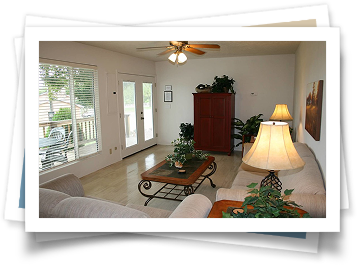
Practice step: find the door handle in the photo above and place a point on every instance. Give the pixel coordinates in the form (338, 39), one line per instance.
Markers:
(142, 118)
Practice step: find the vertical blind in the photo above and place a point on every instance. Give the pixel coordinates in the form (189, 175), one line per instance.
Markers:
(69, 125)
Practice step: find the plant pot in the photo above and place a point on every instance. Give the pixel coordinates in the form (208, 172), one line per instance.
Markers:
(225, 90)
(178, 164)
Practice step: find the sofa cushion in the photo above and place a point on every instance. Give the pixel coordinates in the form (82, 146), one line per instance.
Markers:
(152, 212)
(303, 150)
(48, 200)
(315, 205)
(244, 178)
(307, 179)
(236, 194)
(81, 207)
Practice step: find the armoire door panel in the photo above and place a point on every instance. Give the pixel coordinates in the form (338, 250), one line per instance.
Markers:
(219, 134)
(219, 107)
(205, 107)
(204, 134)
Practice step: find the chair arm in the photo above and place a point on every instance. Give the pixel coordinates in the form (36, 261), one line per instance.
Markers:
(232, 194)
(67, 183)
(193, 206)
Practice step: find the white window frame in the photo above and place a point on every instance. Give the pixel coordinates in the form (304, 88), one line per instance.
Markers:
(97, 125)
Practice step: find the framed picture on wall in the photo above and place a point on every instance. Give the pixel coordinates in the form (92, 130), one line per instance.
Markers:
(314, 109)
(167, 96)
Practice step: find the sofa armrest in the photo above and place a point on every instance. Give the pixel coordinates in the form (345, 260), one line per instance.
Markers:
(68, 183)
(193, 206)
(232, 194)
(48, 199)
(314, 204)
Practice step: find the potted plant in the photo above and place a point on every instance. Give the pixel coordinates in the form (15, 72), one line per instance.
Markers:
(184, 150)
(223, 85)
(250, 127)
(266, 202)
(186, 131)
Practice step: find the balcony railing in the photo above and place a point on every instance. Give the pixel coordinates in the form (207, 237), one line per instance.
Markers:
(85, 128)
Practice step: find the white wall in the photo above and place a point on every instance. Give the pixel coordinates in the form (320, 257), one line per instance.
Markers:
(108, 63)
(310, 66)
(270, 78)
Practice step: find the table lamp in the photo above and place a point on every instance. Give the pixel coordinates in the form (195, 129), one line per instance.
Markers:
(273, 150)
(281, 113)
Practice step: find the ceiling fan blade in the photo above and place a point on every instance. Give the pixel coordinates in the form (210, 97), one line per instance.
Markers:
(193, 50)
(167, 51)
(162, 47)
(212, 46)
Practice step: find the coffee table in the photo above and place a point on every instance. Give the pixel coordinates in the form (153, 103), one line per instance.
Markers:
(177, 186)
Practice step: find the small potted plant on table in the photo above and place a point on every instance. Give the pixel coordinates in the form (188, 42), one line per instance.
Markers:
(183, 151)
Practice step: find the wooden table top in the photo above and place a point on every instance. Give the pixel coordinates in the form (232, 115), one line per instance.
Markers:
(218, 207)
(185, 180)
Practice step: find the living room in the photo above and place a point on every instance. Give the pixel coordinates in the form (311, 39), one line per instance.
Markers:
(263, 79)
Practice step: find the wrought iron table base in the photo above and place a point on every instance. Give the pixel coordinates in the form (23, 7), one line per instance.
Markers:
(175, 190)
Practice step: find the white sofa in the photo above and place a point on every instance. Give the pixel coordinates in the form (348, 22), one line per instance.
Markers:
(64, 197)
(307, 182)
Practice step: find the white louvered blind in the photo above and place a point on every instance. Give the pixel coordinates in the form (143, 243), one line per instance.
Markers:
(69, 125)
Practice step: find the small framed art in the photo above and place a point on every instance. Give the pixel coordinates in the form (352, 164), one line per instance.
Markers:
(167, 96)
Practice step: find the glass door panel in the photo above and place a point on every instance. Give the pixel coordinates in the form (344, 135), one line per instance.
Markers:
(148, 111)
(136, 113)
(129, 96)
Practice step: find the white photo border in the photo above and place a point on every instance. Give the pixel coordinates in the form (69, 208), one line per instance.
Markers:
(329, 224)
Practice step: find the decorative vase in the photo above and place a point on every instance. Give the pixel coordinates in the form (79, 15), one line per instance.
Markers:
(203, 90)
(178, 164)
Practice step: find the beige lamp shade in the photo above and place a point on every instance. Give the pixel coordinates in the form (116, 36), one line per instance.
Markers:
(281, 113)
(273, 148)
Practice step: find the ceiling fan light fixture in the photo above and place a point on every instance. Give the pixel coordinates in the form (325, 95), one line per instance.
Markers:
(182, 57)
(172, 57)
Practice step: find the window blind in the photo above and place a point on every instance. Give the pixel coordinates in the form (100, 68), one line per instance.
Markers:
(69, 124)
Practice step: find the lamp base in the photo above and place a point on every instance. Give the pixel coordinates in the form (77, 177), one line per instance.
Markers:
(272, 180)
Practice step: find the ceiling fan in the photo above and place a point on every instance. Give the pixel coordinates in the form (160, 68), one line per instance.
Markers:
(177, 47)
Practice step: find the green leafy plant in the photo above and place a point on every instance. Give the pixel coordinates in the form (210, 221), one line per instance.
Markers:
(223, 85)
(183, 149)
(186, 131)
(251, 126)
(267, 203)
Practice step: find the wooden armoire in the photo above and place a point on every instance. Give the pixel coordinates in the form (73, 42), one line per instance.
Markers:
(213, 121)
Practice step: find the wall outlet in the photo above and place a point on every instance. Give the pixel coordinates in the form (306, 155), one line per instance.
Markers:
(110, 151)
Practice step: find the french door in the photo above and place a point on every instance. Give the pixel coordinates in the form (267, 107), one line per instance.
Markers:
(137, 112)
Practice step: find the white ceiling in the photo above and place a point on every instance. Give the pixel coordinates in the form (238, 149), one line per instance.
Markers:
(228, 48)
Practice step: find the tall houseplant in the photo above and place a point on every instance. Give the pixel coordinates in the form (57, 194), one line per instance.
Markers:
(223, 85)
(250, 127)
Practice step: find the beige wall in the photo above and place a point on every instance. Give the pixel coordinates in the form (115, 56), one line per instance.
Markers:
(270, 78)
(310, 66)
